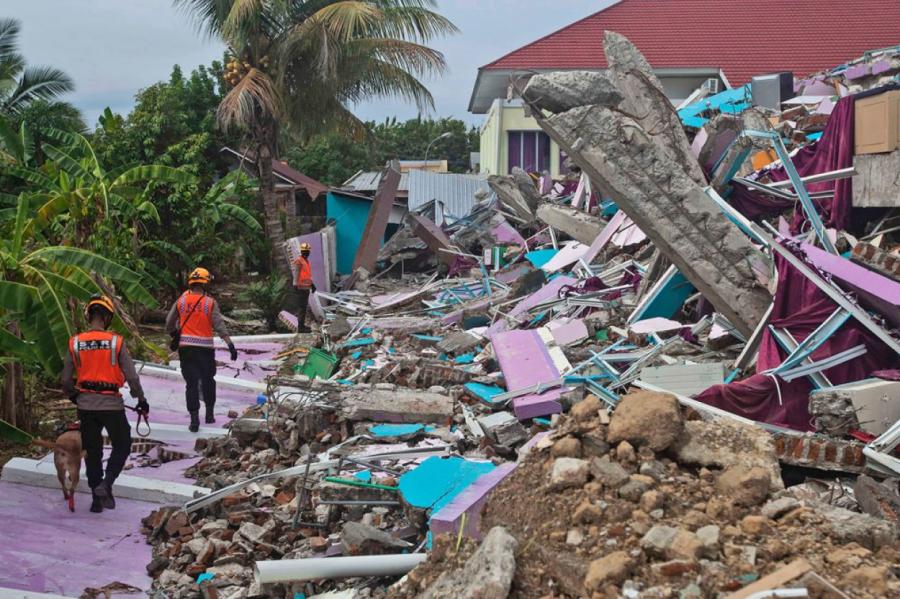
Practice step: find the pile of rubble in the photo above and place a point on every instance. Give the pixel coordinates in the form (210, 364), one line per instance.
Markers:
(651, 506)
(671, 374)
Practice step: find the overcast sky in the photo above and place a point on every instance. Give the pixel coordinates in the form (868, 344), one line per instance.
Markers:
(113, 48)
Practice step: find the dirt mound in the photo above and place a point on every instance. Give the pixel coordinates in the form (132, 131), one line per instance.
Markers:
(668, 529)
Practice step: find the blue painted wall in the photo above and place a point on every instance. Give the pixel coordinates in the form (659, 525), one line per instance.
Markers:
(349, 215)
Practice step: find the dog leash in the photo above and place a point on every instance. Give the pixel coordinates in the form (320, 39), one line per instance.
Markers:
(137, 427)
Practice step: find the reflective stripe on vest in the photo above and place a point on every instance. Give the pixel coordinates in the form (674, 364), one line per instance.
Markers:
(196, 323)
(95, 355)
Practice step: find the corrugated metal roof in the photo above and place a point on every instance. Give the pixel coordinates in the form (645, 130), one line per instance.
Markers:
(455, 191)
(368, 182)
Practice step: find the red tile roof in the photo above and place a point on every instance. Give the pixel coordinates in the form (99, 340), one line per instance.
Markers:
(742, 37)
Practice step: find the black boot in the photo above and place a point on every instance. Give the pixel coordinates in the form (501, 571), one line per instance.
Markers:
(96, 502)
(195, 421)
(105, 494)
(210, 414)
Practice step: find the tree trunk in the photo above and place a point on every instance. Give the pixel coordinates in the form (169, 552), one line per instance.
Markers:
(265, 155)
(12, 402)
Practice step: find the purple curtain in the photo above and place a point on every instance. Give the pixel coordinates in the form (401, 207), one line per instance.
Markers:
(529, 151)
(514, 145)
(543, 152)
(832, 152)
(799, 307)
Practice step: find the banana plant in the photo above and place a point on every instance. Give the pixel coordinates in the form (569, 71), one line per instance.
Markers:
(76, 192)
(43, 286)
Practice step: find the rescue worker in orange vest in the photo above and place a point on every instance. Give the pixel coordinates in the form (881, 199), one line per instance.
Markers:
(304, 285)
(95, 368)
(193, 320)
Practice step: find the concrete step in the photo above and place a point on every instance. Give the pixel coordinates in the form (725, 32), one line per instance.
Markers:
(35, 473)
(20, 594)
(175, 432)
(146, 369)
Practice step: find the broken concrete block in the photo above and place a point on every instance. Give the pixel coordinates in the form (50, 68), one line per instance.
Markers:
(778, 507)
(646, 419)
(611, 474)
(877, 499)
(744, 486)
(870, 405)
(567, 447)
(563, 90)
(671, 543)
(671, 208)
(488, 573)
(575, 223)
(846, 527)
(504, 428)
(399, 406)
(517, 193)
(458, 341)
(362, 539)
(723, 443)
(610, 569)
(569, 472)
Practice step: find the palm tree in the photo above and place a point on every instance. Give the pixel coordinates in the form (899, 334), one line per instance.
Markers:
(22, 85)
(298, 66)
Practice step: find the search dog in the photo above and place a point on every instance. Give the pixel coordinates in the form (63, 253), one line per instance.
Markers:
(67, 454)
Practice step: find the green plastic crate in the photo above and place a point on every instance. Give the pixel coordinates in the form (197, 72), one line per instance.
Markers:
(318, 363)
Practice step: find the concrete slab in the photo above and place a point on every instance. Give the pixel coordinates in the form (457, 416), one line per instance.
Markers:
(36, 473)
(397, 406)
(47, 549)
(685, 379)
(575, 223)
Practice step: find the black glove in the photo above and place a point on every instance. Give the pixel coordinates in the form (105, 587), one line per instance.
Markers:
(233, 351)
(313, 287)
(142, 406)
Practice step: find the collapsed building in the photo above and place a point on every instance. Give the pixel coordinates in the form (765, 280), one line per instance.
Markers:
(672, 374)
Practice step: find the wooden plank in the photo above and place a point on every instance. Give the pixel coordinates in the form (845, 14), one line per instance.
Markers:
(792, 571)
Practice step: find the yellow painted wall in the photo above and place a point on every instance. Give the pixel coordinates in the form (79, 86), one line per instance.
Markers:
(501, 119)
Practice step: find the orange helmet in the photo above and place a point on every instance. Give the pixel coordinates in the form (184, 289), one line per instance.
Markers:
(199, 276)
(102, 301)
(305, 247)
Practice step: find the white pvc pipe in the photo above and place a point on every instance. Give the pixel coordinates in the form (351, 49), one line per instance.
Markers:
(290, 570)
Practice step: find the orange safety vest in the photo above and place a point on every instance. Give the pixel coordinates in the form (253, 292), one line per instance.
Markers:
(304, 273)
(196, 323)
(95, 355)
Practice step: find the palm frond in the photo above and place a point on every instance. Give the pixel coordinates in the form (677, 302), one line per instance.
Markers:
(39, 83)
(254, 97)
(9, 37)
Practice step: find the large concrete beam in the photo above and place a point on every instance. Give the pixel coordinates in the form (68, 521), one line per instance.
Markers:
(633, 168)
(564, 90)
(646, 101)
(577, 224)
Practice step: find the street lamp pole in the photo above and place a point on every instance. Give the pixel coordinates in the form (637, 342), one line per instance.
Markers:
(444, 135)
